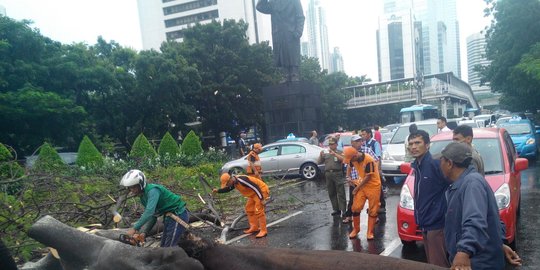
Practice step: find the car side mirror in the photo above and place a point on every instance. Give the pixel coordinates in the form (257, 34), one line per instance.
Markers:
(521, 164)
(405, 168)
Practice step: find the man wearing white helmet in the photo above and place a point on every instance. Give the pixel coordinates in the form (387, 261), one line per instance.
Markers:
(157, 201)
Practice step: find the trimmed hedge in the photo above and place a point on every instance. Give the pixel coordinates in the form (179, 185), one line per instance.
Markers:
(88, 155)
(49, 160)
(192, 146)
(168, 146)
(142, 149)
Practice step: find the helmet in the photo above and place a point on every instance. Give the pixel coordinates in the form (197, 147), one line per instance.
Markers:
(257, 146)
(224, 178)
(133, 177)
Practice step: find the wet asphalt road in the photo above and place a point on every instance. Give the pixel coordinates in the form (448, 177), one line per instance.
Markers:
(312, 227)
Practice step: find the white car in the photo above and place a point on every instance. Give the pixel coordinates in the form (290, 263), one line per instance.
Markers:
(283, 158)
(394, 154)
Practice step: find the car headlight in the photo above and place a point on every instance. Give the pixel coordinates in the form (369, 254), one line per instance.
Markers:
(502, 196)
(387, 156)
(530, 141)
(405, 199)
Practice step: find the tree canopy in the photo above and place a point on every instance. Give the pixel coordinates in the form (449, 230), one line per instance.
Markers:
(513, 45)
(57, 92)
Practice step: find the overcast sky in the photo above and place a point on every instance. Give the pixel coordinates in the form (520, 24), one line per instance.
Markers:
(351, 25)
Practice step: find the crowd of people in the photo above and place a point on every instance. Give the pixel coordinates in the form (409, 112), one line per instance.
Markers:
(454, 205)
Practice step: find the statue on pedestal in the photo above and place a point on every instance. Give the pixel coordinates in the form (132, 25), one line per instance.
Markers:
(287, 26)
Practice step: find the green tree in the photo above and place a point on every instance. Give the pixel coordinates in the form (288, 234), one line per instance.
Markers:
(514, 31)
(165, 85)
(25, 54)
(142, 149)
(48, 160)
(191, 145)
(168, 146)
(31, 114)
(9, 168)
(232, 71)
(88, 155)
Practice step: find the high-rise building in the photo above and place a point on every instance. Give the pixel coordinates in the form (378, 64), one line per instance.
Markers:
(476, 56)
(336, 61)
(162, 20)
(316, 34)
(418, 37)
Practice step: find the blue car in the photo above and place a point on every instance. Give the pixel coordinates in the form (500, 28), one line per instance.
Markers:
(524, 136)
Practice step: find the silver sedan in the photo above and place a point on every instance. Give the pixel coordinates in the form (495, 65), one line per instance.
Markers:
(283, 158)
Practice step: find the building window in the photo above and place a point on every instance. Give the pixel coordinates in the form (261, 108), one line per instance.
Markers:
(395, 45)
(174, 35)
(188, 6)
(195, 18)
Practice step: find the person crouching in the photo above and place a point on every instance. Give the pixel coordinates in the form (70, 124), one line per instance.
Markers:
(257, 194)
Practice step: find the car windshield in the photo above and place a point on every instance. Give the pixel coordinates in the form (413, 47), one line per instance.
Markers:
(345, 140)
(517, 129)
(489, 150)
(403, 131)
(386, 137)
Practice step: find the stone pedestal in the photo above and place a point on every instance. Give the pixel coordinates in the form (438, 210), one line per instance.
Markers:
(292, 107)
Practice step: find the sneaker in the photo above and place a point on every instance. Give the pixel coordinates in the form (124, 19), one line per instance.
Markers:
(336, 213)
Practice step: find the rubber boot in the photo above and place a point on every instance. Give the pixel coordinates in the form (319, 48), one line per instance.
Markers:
(253, 224)
(356, 227)
(370, 227)
(262, 224)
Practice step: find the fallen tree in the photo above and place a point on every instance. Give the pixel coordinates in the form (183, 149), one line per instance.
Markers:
(78, 250)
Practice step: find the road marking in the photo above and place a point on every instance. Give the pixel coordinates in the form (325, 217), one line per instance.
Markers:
(269, 225)
(393, 246)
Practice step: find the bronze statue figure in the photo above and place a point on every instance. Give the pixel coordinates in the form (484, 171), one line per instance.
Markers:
(287, 26)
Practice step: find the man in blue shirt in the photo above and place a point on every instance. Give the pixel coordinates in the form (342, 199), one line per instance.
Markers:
(473, 231)
(429, 201)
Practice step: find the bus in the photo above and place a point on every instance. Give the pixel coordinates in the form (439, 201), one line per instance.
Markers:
(418, 112)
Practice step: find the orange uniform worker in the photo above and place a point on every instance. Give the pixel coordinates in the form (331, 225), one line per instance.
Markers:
(257, 194)
(254, 167)
(367, 187)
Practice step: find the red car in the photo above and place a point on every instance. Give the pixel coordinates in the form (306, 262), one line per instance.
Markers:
(502, 168)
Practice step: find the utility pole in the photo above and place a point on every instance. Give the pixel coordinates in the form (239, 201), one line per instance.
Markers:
(417, 60)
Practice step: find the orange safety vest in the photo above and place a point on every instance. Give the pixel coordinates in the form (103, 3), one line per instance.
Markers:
(375, 180)
(251, 186)
(254, 158)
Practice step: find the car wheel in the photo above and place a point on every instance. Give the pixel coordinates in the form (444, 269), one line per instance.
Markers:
(408, 243)
(237, 170)
(309, 171)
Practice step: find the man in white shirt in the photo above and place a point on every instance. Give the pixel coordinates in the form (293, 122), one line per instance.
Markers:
(441, 125)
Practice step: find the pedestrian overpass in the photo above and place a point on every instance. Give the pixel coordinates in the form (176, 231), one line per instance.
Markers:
(444, 90)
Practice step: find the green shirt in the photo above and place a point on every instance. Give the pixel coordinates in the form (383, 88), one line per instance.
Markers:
(157, 201)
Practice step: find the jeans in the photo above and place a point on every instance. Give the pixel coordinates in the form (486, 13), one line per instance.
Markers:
(173, 230)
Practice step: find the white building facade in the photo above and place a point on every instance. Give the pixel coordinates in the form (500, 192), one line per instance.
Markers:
(315, 35)
(476, 56)
(162, 20)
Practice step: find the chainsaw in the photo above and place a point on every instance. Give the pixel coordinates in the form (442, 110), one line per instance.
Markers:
(135, 240)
